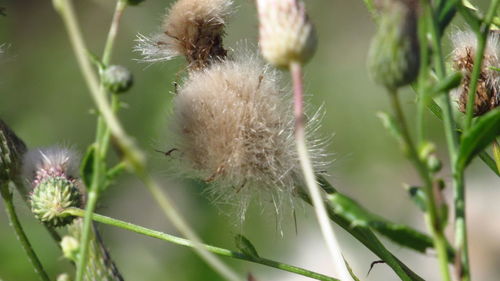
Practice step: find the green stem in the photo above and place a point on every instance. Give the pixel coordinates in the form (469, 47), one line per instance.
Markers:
(422, 78)
(434, 220)
(191, 244)
(478, 63)
(21, 236)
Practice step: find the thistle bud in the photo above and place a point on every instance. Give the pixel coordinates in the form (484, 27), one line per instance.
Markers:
(235, 130)
(53, 173)
(286, 34)
(117, 79)
(191, 28)
(488, 86)
(394, 56)
(12, 149)
(51, 197)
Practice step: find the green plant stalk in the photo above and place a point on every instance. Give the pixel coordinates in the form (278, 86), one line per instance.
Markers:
(132, 153)
(101, 144)
(452, 143)
(309, 177)
(184, 242)
(478, 62)
(21, 236)
(432, 215)
(422, 78)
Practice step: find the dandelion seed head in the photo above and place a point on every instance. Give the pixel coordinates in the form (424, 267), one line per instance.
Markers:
(191, 28)
(235, 130)
(463, 56)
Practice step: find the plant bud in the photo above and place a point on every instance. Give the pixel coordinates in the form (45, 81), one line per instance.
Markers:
(394, 56)
(52, 196)
(286, 34)
(70, 247)
(117, 79)
(63, 277)
(53, 174)
(12, 149)
(488, 86)
(434, 164)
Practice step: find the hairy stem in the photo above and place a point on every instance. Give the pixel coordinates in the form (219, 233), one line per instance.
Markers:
(21, 236)
(188, 243)
(433, 219)
(310, 179)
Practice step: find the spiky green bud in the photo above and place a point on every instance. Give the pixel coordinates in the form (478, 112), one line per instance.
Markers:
(394, 56)
(117, 79)
(51, 197)
(12, 149)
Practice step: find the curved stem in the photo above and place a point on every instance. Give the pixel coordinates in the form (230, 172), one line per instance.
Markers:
(310, 179)
(433, 219)
(184, 242)
(21, 236)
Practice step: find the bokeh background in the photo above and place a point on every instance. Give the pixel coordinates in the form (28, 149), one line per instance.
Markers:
(44, 99)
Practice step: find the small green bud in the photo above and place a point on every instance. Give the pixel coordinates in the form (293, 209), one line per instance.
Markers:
(394, 55)
(63, 277)
(51, 197)
(12, 149)
(434, 164)
(117, 79)
(70, 247)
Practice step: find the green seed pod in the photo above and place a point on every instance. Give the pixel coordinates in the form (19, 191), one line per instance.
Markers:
(394, 55)
(117, 79)
(52, 196)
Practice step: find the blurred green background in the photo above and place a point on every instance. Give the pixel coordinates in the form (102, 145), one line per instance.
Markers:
(44, 99)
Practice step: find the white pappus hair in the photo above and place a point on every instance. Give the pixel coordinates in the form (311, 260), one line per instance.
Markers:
(235, 129)
(51, 161)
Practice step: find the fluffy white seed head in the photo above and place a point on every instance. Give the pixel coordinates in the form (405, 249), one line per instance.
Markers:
(463, 55)
(286, 34)
(235, 129)
(191, 28)
(56, 161)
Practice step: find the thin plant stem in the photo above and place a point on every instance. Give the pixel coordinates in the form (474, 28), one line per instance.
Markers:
(461, 244)
(188, 243)
(310, 178)
(132, 153)
(422, 78)
(101, 144)
(21, 236)
(478, 63)
(432, 215)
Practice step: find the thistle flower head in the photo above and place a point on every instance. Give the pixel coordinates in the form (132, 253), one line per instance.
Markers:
(286, 34)
(394, 56)
(52, 172)
(235, 129)
(463, 55)
(191, 28)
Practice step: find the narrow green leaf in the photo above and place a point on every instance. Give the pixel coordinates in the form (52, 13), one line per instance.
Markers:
(351, 272)
(482, 134)
(496, 154)
(450, 82)
(393, 127)
(87, 167)
(360, 217)
(245, 246)
(417, 195)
